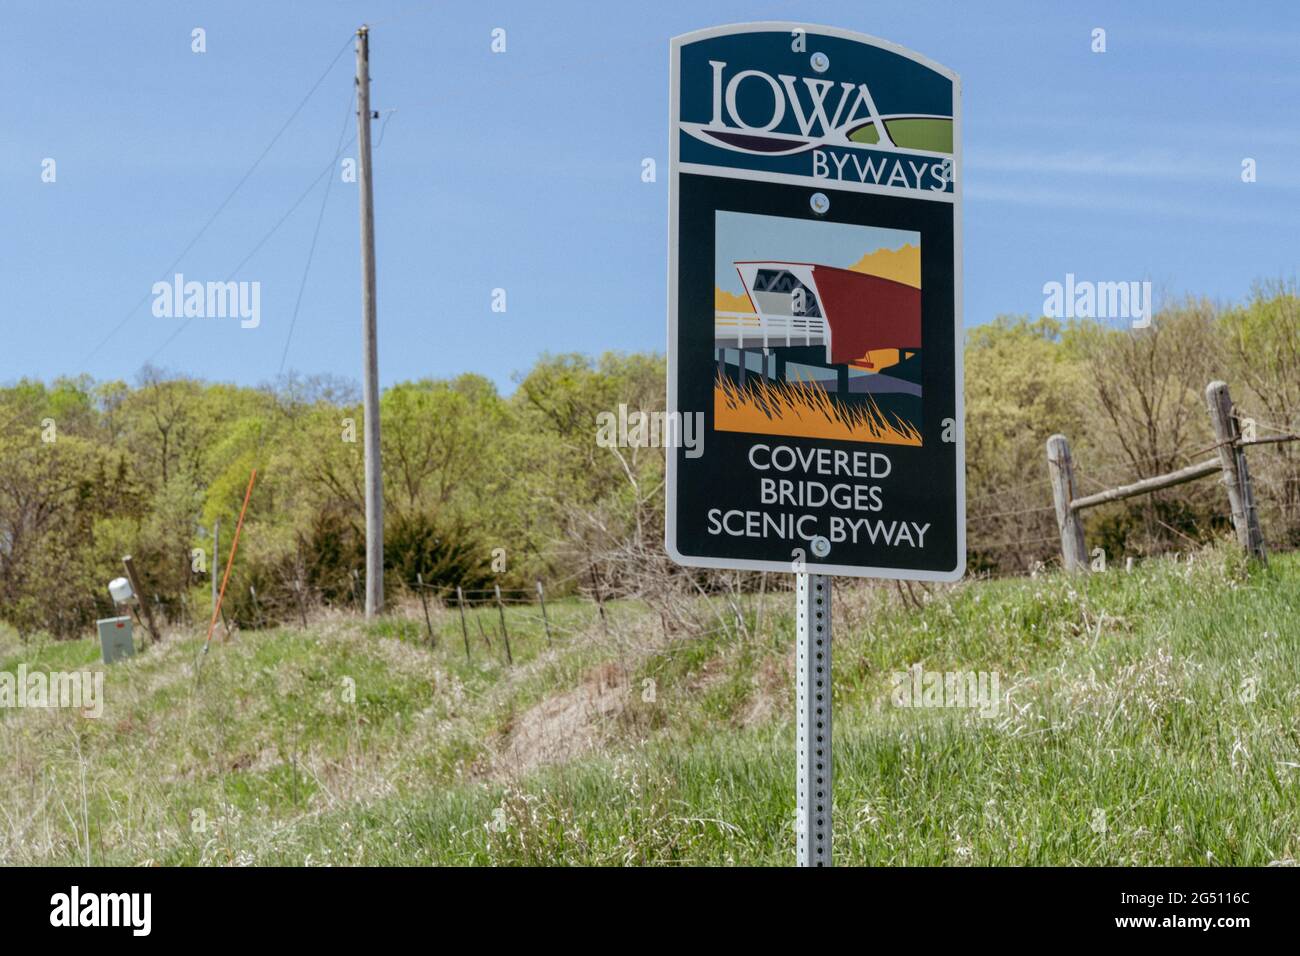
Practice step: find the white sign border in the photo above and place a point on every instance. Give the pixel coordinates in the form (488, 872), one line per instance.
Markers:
(670, 518)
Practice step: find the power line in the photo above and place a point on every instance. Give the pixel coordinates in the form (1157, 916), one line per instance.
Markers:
(261, 242)
(225, 202)
(311, 251)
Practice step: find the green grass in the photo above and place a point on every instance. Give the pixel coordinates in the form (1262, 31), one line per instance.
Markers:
(1154, 718)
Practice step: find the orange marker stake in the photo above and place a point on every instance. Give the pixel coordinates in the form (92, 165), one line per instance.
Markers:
(230, 562)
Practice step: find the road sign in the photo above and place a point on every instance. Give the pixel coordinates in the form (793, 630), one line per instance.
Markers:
(814, 305)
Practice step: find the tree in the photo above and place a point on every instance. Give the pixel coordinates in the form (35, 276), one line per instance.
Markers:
(1021, 387)
(1263, 351)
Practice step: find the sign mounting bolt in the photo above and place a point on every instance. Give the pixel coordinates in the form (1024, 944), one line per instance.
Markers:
(821, 62)
(820, 546)
(820, 203)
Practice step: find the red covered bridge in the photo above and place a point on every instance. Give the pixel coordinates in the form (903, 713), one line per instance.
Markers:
(801, 304)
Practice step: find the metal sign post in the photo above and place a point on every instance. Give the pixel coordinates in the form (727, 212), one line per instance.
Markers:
(813, 707)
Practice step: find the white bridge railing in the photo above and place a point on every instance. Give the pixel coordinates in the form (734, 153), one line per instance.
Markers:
(749, 330)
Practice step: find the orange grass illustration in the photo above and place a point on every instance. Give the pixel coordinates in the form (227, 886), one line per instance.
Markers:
(803, 409)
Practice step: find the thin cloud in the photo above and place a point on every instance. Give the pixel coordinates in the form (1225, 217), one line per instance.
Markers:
(1144, 207)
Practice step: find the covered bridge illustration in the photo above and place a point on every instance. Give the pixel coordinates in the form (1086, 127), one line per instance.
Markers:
(816, 315)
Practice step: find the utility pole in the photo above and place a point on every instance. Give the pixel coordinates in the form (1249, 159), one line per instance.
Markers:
(369, 343)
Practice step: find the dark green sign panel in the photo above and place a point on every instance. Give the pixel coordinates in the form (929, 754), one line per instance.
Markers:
(814, 308)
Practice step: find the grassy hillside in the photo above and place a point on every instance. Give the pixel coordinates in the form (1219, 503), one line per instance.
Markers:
(1154, 717)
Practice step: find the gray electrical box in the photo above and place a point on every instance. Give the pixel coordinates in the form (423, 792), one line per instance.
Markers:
(115, 639)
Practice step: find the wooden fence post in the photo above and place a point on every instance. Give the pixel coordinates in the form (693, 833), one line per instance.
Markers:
(460, 605)
(600, 602)
(1248, 497)
(302, 603)
(1236, 476)
(504, 635)
(424, 600)
(139, 598)
(541, 596)
(1074, 556)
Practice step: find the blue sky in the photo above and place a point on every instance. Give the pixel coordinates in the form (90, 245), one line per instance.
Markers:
(743, 236)
(522, 170)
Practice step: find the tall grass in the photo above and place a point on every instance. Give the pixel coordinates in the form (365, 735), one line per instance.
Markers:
(1152, 719)
(804, 409)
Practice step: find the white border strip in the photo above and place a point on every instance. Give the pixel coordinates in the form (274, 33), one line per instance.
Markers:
(793, 179)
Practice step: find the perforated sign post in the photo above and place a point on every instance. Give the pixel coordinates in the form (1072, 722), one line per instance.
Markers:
(814, 329)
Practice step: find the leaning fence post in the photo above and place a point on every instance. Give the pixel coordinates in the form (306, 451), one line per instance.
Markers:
(424, 600)
(1060, 465)
(1236, 476)
(140, 601)
(1252, 513)
(504, 635)
(464, 631)
(546, 620)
